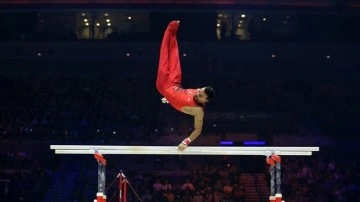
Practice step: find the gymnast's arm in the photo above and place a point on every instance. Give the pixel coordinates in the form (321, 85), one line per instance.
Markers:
(198, 114)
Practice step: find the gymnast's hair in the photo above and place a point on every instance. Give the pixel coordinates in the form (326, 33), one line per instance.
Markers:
(210, 92)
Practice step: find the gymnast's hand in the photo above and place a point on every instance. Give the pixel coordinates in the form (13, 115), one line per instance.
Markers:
(182, 147)
(164, 100)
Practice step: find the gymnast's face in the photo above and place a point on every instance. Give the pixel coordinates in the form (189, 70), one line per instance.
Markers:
(201, 96)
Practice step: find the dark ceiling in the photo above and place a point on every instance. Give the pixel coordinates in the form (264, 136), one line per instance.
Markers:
(351, 4)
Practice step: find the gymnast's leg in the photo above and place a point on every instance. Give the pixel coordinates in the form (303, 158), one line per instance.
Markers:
(164, 69)
(174, 60)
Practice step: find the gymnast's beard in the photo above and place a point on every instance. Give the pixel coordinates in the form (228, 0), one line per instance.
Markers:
(195, 98)
(197, 101)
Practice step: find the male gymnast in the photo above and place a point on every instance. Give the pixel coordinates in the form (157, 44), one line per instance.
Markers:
(168, 83)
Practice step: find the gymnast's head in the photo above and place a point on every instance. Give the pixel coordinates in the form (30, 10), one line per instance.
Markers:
(205, 94)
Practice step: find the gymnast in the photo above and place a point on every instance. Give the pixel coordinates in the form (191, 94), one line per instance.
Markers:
(168, 83)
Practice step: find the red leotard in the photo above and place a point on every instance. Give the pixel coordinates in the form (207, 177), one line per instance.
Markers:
(179, 97)
(168, 81)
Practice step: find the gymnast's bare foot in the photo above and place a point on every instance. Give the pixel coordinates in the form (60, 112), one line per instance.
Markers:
(173, 26)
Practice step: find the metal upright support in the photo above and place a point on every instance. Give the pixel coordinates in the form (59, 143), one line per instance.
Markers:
(277, 160)
(272, 180)
(101, 197)
(278, 178)
(272, 170)
(101, 177)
